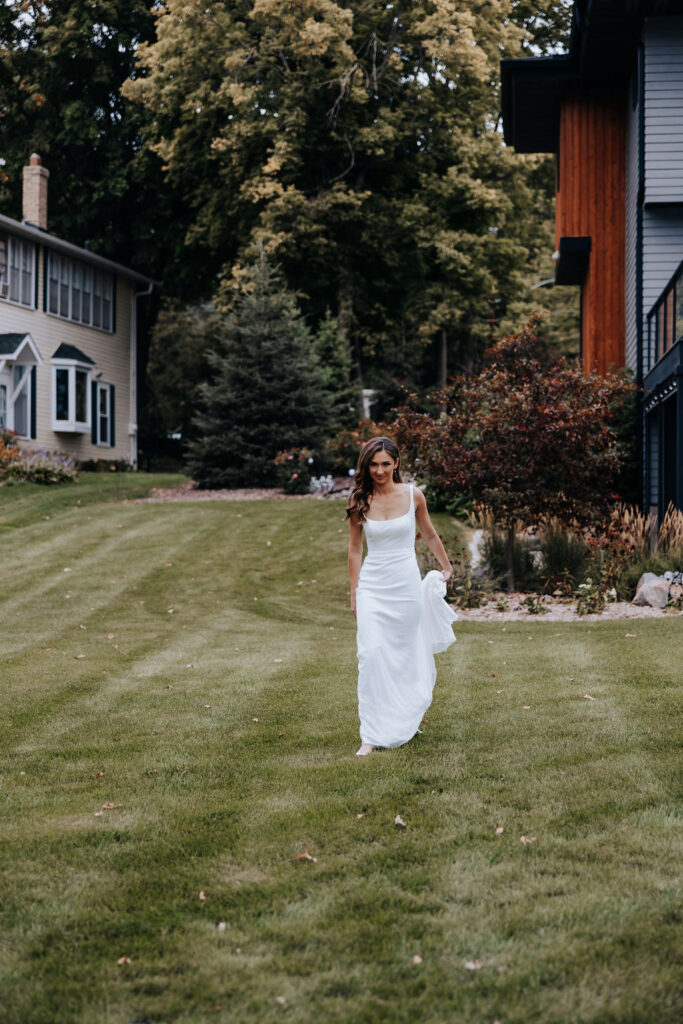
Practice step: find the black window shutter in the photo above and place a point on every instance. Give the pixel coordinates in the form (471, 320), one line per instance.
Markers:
(112, 415)
(113, 304)
(34, 389)
(93, 411)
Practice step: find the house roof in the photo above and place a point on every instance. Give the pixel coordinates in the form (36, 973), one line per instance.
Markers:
(71, 352)
(9, 343)
(602, 48)
(13, 344)
(25, 230)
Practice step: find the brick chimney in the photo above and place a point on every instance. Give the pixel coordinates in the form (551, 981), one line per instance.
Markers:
(35, 193)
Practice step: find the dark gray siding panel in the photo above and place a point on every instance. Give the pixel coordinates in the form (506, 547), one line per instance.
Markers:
(662, 252)
(632, 118)
(663, 41)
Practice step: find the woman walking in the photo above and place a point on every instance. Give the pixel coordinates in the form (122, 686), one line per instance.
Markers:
(402, 620)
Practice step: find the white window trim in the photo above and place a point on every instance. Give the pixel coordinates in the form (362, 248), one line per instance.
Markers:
(79, 323)
(101, 386)
(72, 425)
(5, 285)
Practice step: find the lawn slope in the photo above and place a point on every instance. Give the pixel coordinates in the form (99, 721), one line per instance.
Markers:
(194, 666)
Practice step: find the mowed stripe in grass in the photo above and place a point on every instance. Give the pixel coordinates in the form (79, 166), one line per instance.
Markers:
(226, 727)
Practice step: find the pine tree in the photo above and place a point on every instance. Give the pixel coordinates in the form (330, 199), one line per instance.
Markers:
(266, 393)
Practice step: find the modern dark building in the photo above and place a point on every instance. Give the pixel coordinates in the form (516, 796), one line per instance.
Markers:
(611, 110)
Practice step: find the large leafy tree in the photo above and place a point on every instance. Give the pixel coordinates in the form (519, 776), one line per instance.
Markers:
(528, 436)
(62, 66)
(359, 141)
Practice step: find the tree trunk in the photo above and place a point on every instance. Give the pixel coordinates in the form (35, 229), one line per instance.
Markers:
(442, 370)
(511, 553)
(345, 319)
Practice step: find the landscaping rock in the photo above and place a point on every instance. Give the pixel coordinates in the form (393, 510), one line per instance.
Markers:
(652, 590)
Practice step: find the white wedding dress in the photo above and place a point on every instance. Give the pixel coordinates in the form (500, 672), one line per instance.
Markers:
(402, 622)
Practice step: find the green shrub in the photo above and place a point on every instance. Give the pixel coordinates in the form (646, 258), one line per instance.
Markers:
(40, 467)
(105, 466)
(494, 551)
(566, 557)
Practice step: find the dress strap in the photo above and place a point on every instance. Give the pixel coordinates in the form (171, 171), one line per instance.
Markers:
(412, 505)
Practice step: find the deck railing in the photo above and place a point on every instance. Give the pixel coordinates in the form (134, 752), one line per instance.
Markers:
(665, 320)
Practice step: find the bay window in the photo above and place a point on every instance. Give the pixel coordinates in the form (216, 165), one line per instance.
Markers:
(71, 403)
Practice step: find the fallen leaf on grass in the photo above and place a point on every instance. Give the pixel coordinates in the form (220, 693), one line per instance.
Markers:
(171, 610)
(527, 840)
(66, 570)
(222, 926)
(98, 814)
(499, 830)
(587, 696)
(399, 822)
(473, 965)
(97, 775)
(152, 771)
(417, 959)
(499, 691)
(269, 543)
(207, 705)
(363, 814)
(277, 661)
(254, 719)
(110, 636)
(526, 707)
(110, 807)
(77, 656)
(124, 960)
(493, 675)
(630, 636)
(281, 1000)
(306, 855)
(202, 896)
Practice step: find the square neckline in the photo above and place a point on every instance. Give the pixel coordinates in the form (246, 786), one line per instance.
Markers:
(395, 519)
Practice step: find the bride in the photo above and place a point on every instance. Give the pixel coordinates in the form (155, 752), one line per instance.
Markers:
(402, 620)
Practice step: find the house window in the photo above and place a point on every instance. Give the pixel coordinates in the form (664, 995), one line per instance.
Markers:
(104, 418)
(71, 411)
(104, 415)
(80, 293)
(17, 270)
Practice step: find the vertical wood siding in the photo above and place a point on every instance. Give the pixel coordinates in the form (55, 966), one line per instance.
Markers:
(663, 39)
(591, 201)
(631, 240)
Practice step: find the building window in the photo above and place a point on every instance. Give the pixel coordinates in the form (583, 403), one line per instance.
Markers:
(80, 293)
(103, 425)
(71, 411)
(17, 270)
(665, 319)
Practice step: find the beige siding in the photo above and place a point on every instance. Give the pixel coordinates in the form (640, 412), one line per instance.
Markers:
(110, 352)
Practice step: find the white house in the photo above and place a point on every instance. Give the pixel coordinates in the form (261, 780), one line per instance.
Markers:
(68, 337)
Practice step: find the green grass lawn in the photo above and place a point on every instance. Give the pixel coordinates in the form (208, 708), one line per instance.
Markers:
(203, 682)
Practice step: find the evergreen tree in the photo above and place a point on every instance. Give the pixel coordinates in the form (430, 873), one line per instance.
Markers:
(266, 392)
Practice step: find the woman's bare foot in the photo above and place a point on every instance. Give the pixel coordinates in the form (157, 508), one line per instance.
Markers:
(364, 749)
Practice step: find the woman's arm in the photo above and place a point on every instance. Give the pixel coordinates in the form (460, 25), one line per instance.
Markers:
(429, 534)
(355, 555)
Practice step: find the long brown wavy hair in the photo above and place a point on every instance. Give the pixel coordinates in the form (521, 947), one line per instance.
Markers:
(359, 500)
